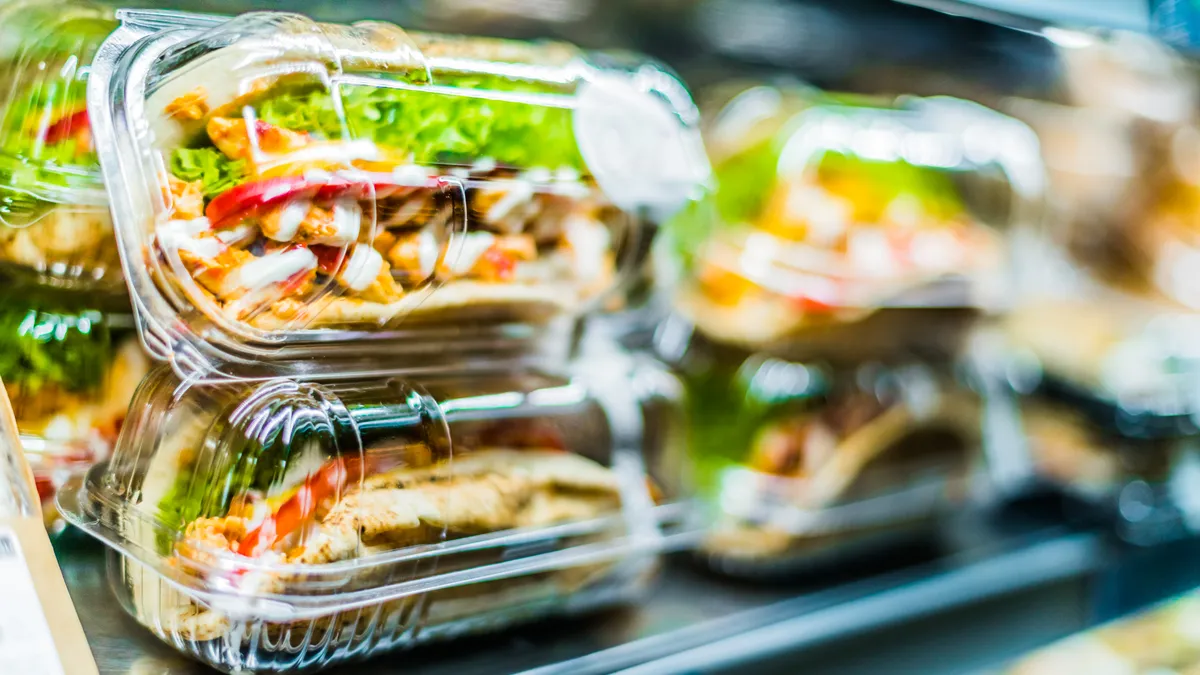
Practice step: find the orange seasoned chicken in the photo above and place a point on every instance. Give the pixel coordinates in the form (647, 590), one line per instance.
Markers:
(191, 106)
(232, 136)
(211, 272)
(187, 199)
(303, 222)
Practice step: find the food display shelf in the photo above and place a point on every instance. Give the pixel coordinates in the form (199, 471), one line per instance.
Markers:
(691, 620)
(1118, 14)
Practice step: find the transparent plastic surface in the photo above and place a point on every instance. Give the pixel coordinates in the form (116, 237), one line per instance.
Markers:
(70, 365)
(18, 497)
(1129, 366)
(290, 524)
(290, 187)
(792, 457)
(54, 219)
(830, 208)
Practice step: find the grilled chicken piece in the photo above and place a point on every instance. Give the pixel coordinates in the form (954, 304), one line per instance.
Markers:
(191, 106)
(232, 137)
(187, 198)
(301, 221)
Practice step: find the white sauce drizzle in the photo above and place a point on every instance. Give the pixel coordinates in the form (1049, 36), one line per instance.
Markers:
(520, 193)
(182, 235)
(273, 268)
(362, 268)
(590, 241)
(474, 245)
(290, 219)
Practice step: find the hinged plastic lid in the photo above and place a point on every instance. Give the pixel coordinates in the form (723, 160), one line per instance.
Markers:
(290, 186)
(291, 497)
(845, 208)
(53, 208)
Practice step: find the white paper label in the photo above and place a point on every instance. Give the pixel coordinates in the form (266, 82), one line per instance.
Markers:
(26, 645)
(636, 147)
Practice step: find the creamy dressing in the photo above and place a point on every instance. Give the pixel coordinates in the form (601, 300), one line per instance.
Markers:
(347, 219)
(318, 176)
(273, 268)
(362, 268)
(472, 247)
(237, 235)
(870, 253)
(936, 250)
(407, 211)
(590, 241)
(290, 219)
(428, 252)
(183, 235)
(341, 152)
(538, 175)
(484, 165)
(827, 216)
(410, 175)
(520, 193)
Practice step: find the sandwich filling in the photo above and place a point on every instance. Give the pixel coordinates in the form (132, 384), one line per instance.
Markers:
(303, 195)
(343, 510)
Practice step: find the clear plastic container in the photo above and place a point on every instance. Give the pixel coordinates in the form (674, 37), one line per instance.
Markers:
(70, 365)
(1128, 365)
(795, 461)
(54, 219)
(828, 209)
(286, 525)
(283, 188)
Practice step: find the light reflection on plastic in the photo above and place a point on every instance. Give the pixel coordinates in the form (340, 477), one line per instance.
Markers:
(557, 396)
(508, 399)
(1069, 39)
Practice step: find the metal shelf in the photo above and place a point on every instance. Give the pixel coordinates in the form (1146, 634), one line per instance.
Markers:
(691, 619)
(1034, 14)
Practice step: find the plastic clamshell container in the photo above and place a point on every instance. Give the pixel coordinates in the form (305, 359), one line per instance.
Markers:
(54, 219)
(283, 188)
(286, 525)
(1134, 375)
(70, 365)
(792, 459)
(827, 210)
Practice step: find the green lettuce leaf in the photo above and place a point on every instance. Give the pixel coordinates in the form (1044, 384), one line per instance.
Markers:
(214, 170)
(428, 127)
(39, 348)
(438, 127)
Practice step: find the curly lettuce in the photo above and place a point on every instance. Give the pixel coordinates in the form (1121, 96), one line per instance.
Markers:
(427, 127)
(71, 351)
(216, 172)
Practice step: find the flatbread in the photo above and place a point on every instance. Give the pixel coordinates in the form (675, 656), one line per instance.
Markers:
(472, 301)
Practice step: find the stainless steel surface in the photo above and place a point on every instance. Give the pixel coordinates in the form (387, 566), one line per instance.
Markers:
(691, 620)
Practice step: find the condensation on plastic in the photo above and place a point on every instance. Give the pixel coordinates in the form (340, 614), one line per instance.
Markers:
(832, 215)
(431, 190)
(474, 502)
(54, 219)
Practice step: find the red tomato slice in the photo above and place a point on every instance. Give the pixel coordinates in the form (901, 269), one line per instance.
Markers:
(328, 257)
(231, 206)
(67, 127)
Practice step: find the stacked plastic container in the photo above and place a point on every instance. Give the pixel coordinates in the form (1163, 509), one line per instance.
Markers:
(1102, 347)
(70, 359)
(823, 297)
(360, 254)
